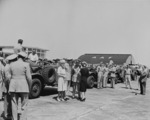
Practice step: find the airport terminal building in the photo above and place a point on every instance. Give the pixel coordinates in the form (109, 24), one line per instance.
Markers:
(7, 50)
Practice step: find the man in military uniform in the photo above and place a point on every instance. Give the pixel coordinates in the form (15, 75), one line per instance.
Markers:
(19, 86)
(7, 78)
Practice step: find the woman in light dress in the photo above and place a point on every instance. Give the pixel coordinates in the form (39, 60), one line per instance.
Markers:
(61, 72)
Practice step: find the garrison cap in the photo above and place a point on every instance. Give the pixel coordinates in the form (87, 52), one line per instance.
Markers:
(12, 57)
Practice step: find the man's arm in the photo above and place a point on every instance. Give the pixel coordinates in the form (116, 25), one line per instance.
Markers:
(28, 75)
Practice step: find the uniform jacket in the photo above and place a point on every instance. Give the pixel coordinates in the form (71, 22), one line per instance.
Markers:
(20, 76)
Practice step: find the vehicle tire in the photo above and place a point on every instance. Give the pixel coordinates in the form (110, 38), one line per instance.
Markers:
(36, 88)
(49, 75)
(90, 82)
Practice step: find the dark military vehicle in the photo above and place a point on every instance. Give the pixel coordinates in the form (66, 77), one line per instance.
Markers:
(43, 74)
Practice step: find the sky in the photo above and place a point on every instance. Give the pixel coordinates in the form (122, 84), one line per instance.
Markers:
(70, 28)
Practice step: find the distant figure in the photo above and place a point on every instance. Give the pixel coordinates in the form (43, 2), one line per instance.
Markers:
(68, 77)
(105, 79)
(83, 82)
(128, 77)
(100, 71)
(18, 48)
(112, 75)
(143, 79)
(33, 56)
(76, 71)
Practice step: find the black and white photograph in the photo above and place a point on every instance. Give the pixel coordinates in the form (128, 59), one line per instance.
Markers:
(74, 59)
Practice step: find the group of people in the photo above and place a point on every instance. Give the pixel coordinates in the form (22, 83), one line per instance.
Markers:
(15, 79)
(139, 73)
(77, 75)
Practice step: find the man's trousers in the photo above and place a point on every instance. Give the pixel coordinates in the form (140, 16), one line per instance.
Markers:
(7, 105)
(24, 103)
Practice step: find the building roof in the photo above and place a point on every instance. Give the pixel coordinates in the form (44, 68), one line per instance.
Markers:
(24, 46)
(105, 58)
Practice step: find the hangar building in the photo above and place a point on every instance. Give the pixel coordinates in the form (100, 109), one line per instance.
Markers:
(118, 59)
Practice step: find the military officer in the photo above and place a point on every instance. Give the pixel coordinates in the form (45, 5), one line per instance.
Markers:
(19, 86)
(7, 78)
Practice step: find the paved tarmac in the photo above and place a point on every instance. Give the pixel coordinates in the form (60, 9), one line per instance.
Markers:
(101, 104)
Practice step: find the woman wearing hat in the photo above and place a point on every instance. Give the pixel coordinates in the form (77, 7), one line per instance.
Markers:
(19, 85)
(61, 72)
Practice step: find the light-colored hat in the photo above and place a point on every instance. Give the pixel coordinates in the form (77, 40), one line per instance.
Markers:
(12, 57)
(1, 58)
(84, 64)
(62, 61)
(23, 54)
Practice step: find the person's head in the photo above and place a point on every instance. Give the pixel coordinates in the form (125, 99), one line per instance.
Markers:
(20, 41)
(33, 51)
(62, 63)
(22, 55)
(84, 64)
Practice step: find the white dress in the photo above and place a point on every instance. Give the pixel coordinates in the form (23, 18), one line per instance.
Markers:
(61, 78)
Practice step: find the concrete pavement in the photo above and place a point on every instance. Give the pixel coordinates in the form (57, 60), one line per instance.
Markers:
(101, 104)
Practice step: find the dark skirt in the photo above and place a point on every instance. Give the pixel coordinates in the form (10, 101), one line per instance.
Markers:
(83, 84)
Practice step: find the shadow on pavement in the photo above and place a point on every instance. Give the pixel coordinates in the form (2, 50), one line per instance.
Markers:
(124, 87)
(136, 93)
(49, 91)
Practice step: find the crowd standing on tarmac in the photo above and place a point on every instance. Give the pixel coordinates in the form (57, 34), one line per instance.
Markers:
(15, 79)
